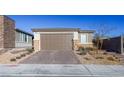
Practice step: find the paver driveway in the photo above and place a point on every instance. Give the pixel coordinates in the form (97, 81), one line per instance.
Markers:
(52, 57)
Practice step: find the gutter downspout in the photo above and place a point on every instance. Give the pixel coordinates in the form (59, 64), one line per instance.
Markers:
(122, 47)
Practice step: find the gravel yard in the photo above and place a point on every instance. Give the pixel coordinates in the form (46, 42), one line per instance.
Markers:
(12, 56)
(103, 58)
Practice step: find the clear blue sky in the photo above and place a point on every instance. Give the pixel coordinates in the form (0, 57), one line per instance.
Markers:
(27, 22)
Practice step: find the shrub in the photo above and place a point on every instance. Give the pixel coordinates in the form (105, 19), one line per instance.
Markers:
(86, 58)
(99, 57)
(82, 51)
(110, 58)
(89, 48)
(116, 58)
(13, 59)
(105, 53)
(113, 55)
(28, 53)
(23, 55)
(30, 50)
(18, 57)
(91, 53)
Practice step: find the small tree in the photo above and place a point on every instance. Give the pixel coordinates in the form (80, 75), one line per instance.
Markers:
(102, 30)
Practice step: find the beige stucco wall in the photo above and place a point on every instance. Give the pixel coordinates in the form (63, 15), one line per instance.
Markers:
(36, 45)
(76, 36)
(77, 43)
(36, 41)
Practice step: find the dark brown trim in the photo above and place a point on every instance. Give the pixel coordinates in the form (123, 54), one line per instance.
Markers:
(62, 30)
(18, 30)
(8, 18)
(56, 30)
(86, 31)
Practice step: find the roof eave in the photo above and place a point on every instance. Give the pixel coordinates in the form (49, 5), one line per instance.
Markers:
(54, 29)
(86, 31)
(19, 30)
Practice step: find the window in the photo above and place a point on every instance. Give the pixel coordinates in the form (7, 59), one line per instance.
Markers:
(17, 36)
(25, 38)
(29, 39)
(83, 38)
(20, 36)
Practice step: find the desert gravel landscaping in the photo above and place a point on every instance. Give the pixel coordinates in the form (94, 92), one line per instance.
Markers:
(13, 56)
(101, 58)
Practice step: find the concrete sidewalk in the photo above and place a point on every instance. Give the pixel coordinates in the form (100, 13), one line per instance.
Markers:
(61, 70)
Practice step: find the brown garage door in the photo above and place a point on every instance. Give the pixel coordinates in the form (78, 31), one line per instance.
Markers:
(56, 41)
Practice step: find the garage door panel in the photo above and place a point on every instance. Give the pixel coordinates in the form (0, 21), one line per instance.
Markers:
(56, 41)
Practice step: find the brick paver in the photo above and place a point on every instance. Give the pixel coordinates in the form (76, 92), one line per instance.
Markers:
(52, 57)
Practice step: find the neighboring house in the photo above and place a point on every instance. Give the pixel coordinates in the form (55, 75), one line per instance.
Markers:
(61, 38)
(114, 44)
(23, 39)
(11, 37)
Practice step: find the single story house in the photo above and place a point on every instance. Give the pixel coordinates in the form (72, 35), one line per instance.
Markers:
(11, 37)
(61, 38)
